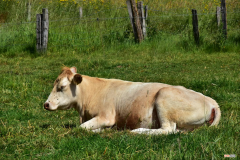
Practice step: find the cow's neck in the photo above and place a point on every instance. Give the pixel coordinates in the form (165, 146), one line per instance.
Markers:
(87, 90)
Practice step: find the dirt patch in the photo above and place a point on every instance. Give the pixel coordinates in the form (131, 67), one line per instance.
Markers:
(3, 17)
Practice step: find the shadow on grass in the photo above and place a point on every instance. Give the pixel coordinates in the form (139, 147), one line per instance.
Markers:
(44, 126)
(30, 48)
(69, 126)
(11, 51)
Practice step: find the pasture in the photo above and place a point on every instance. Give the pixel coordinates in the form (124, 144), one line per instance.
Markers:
(27, 131)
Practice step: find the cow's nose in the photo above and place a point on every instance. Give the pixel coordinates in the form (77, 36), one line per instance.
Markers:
(46, 105)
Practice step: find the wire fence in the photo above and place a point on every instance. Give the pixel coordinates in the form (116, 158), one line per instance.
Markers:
(105, 18)
(97, 29)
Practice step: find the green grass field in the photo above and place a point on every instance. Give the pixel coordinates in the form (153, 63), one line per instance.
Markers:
(28, 131)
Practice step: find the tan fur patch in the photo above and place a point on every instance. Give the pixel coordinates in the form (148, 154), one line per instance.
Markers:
(66, 72)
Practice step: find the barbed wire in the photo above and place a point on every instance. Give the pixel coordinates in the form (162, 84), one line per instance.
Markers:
(233, 20)
(159, 23)
(167, 11)
(111, 18)
(93, 20)
(73, 45)
(23, 44)
(55, 33)
(15, 31)
(78, 23)
(64, 39)
(67, 19)
(84, 19)
(70, 39)
(176, 28)
(11, 39)
(168, 32)
(105, 11)
(19, 23)
(211, 13)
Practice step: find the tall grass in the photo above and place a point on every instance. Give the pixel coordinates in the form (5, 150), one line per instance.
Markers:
(106, 24)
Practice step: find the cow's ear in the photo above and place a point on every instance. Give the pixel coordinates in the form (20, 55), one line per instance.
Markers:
(77, 78)
(73, 69)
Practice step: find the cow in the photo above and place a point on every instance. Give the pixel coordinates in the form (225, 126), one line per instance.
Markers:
(144, 108)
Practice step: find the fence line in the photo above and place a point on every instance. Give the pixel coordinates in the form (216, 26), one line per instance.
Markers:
(70, 33)
(77, 23)
(105, 11)
(167, 32)
(17, 23)
(24, 44)
(118, 27)
(85, 19)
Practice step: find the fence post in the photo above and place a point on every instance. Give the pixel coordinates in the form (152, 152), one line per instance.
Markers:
(29, 11)
(218, 14)
(131, 19)
(224, 17)
(80, 12)
(195, 26)
(146, 12)
(38, 32)
(133, 12)
(142, 18)
(139, 12)
(45, 25)
(136, 20)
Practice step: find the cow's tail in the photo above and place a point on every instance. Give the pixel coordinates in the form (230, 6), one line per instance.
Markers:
(215, 116)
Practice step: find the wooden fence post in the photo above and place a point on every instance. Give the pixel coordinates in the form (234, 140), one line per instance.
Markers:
(133, 12)
(137, 21)
(218, 15)
(142, 18)
(129, 7)
(139, 9)
(224, 17)
(39, 32)
(80, 12)
(45, 25)
(146, 12)
(28, 11)
(195, 26)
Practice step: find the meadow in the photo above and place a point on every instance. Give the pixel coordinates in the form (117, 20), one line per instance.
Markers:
(106, 48)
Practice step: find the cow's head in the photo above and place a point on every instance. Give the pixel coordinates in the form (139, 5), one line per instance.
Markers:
(63, 95)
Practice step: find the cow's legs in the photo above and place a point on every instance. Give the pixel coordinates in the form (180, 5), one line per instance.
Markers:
(162, 108)
(96, 123)
(168, 128)
(97, 130)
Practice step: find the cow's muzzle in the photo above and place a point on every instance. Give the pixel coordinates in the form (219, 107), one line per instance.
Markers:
(46, 106)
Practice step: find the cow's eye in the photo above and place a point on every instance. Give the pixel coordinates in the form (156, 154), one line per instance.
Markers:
(62, 87)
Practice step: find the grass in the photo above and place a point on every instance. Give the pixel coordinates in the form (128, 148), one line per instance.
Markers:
(106, 48)
(169, 23)
(28, 131)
